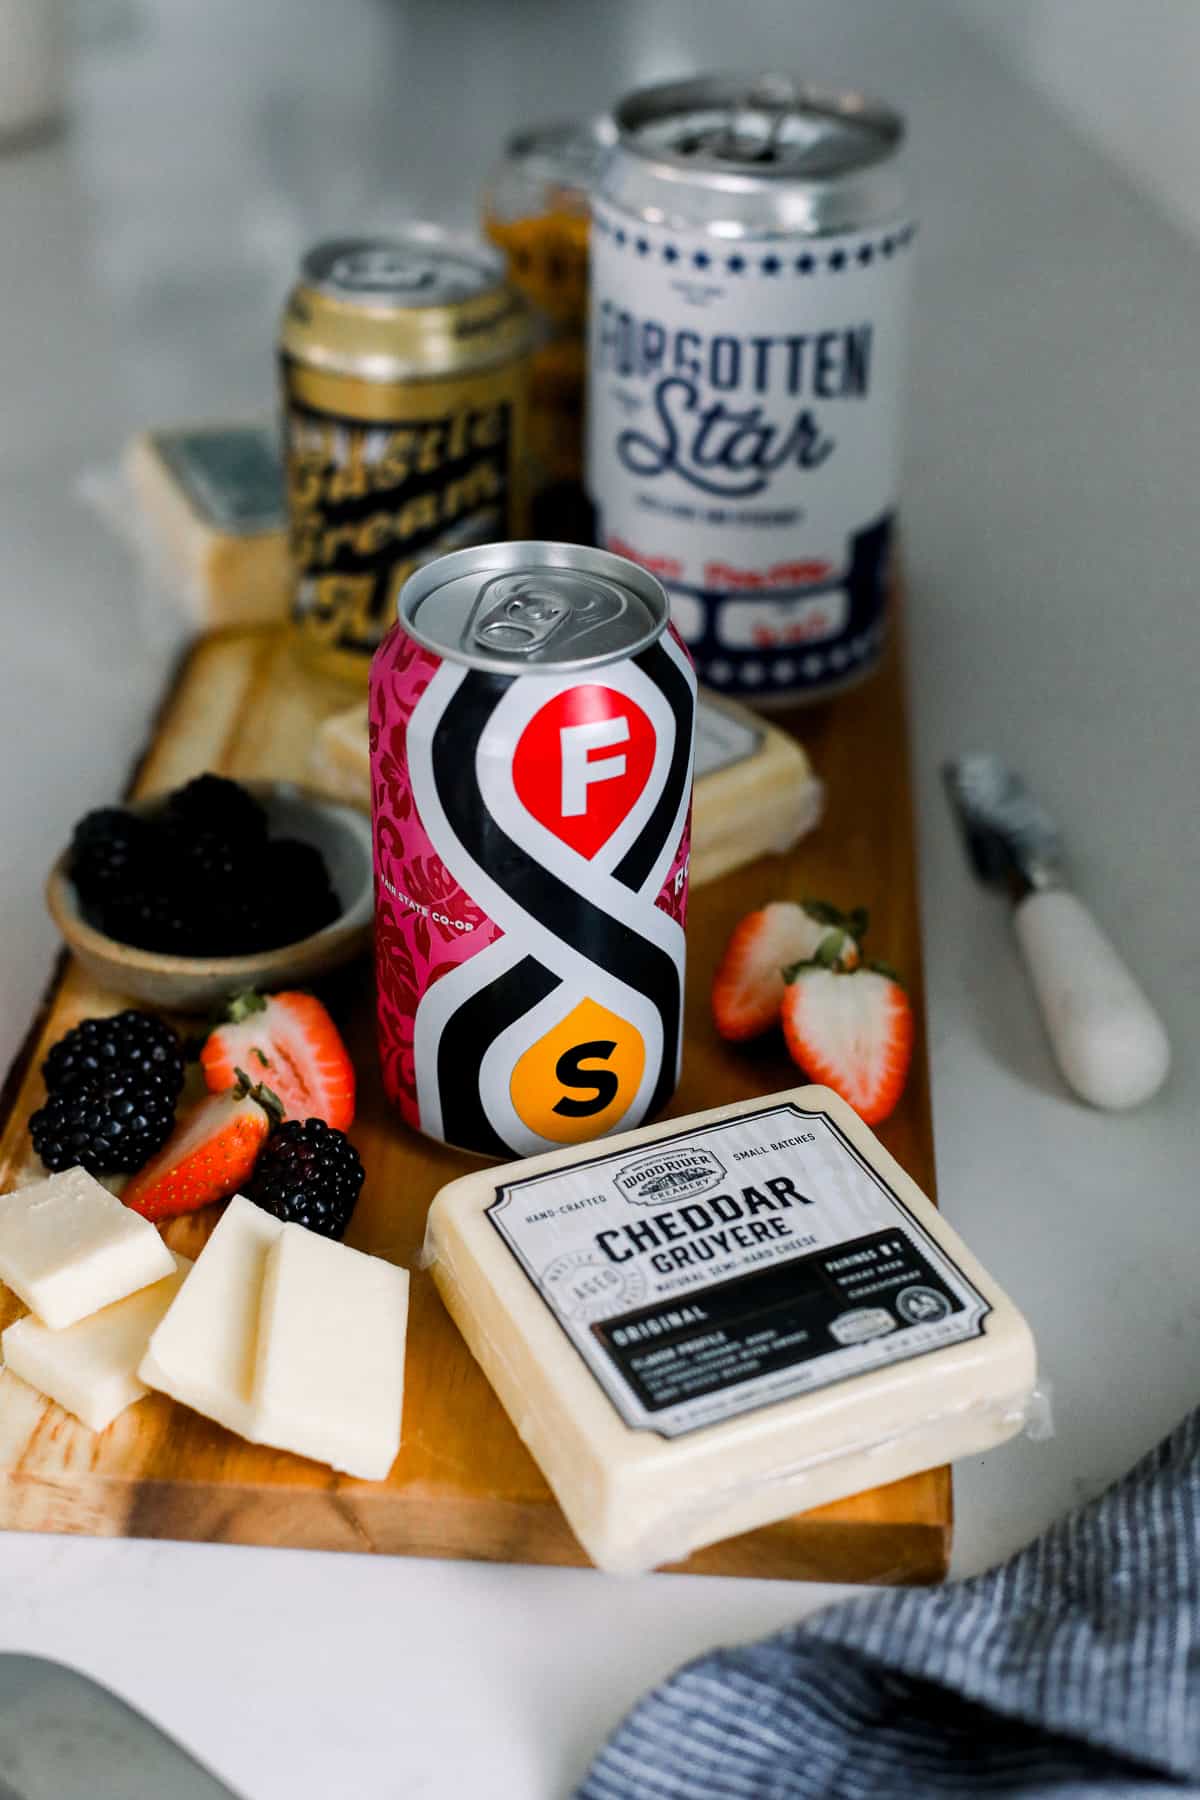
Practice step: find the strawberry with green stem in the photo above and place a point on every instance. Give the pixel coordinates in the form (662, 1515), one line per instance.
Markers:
(289, 1042)
(210, 1155)
(849, 1028)
(748, 988)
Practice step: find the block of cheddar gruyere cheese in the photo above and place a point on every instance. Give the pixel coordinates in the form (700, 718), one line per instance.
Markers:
(329, 1377)
(69, 1247)
(91, 1367)
(756, 793)
(212, 503)
(204, 1351)
(708, 1324)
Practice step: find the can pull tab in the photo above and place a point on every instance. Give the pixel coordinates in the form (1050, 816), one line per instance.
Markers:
(518, 614)
(385, 269)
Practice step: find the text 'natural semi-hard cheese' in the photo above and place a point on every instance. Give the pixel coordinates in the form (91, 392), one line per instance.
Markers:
(725, 1319)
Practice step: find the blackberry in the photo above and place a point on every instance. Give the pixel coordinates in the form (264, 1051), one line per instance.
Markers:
(301, 899)
(207, 860)
(211, 804)
(308, 1173)
(110, 850)
(238, 923)
(164, 918)
(111, 1123)
(130, 1043)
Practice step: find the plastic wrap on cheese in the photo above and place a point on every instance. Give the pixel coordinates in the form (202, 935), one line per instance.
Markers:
(706, 1325)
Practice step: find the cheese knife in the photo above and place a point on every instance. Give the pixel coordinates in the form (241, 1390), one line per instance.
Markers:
(1107, 1039)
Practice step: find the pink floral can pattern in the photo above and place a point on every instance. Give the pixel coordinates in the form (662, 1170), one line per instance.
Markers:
(532, 740)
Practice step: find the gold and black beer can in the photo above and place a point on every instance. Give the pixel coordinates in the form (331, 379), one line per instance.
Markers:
(405, 370)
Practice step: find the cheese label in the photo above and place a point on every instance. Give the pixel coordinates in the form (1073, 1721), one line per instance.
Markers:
(231, 474)
(708, 1274)
(722, 741)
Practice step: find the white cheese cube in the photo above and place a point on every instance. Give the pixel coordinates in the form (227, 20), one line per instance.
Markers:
(203, 1352)
(708, 1324)
(330, 1380)
(91, 1367)
(69, 1247)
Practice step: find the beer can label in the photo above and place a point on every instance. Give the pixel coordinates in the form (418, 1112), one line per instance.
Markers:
(531, 842)
(384, 477)
(744, 408)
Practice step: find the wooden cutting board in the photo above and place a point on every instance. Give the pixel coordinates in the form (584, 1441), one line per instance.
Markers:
(464, 1485)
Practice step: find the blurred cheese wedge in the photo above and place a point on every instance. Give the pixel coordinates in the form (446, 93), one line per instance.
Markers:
(212, 504)
(330, 1369)
(340, 760)
(91, 1368)
(755, 789)
(755, 795)
(703, 1326)
(69, 1247)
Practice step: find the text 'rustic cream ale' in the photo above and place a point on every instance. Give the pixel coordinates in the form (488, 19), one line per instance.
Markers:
(404, 366)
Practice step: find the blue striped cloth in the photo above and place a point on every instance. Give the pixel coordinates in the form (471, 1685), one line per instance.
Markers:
(1072, 1670)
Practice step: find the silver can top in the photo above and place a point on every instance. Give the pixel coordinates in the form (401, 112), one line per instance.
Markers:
(754, 156)
(567, 153)
(533, 607)
(420, 265)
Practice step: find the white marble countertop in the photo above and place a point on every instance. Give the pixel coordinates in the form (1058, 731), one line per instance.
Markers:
(1052, 541)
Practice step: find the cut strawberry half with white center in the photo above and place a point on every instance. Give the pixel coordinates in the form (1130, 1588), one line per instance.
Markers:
(853, 1031)
(748, 987)
(290, 1043)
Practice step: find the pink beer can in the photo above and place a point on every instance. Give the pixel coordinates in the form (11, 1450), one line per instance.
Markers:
(532, 742)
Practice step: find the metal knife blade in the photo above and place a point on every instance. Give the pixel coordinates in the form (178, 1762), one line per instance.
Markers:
(1011, 839)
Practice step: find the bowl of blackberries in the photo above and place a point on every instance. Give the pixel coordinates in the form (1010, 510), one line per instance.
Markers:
(219, 886)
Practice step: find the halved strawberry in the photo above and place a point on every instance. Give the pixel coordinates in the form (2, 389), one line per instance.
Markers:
(853, 1030)
(289, 1042)
(748, 987)
(210, 1154)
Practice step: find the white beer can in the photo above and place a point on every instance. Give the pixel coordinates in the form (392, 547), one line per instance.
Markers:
(750, 260)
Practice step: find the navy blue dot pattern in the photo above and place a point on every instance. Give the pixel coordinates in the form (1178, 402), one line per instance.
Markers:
(833, 256)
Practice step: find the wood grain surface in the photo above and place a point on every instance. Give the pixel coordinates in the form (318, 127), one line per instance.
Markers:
(464, 1485)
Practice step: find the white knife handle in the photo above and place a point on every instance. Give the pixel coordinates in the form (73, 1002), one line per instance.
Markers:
(1107, 1038)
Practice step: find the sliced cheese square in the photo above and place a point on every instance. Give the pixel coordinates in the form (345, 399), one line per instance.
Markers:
(203, 1352)
(91, 1367)
(705, 1325)
(69, 1247)
(330, 1372)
